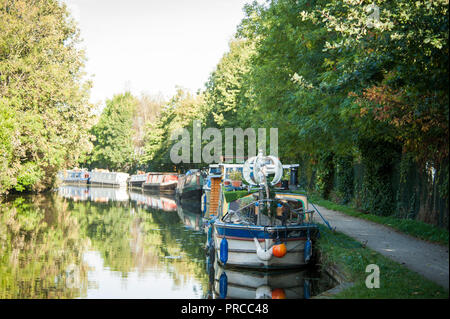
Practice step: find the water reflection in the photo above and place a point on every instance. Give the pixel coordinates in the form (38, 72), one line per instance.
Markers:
(98, 243)
(237, 283)
(94, 194)
(190, 214)
(76, 193)
(41, 248)
(91, 242)
(104, 195)
(148, 200)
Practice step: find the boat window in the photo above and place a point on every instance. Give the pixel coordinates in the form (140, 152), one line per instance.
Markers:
(215, 171)
(231, 169)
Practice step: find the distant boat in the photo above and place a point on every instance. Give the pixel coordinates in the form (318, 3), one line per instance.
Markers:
(74, 177)
(161, 182)
(108, 179)
(190, 185)
(137, 180)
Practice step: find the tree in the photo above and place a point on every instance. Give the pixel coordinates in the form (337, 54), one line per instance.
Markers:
(147, 110)
(113, 145)
(180, 112)
(44, 108)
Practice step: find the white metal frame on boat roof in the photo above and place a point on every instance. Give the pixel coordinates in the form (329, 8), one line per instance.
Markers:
(286, 166)
(231, 165)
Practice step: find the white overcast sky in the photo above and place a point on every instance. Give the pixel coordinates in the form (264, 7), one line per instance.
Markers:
(151, 46)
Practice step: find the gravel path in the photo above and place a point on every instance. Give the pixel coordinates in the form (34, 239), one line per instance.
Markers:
(427, 259)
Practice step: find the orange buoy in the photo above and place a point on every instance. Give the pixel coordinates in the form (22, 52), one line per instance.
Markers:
(278, 293)
(279, 250)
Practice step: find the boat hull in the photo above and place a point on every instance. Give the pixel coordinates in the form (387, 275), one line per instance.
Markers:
(190, 186)
(191, 194)
(168, 188)
(113, 185)
(108, 179)
(75, 182)
(242, 249)
(135, 184)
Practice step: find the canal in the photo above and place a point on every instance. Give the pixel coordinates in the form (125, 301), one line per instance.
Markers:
(81, 242)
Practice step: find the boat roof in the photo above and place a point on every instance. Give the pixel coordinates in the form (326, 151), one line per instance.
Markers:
(242, 165)
(162, 173)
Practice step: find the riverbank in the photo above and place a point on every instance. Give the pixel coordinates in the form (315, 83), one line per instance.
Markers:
(348, 259)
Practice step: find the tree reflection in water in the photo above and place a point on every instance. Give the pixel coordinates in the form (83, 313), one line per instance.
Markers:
(46, 241)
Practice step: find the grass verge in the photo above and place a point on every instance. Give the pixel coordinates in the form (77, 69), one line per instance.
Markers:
(411, 227)
(234, 195)
(351, 258)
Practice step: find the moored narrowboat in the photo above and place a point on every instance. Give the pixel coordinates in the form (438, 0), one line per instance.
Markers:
(190, 185)
(74, 177)
(137, 180)
(265, 229)
(104, 178)
(161, 182)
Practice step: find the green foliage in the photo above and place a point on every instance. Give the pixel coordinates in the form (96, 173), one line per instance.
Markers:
(342, 88)
(225, 96)
(379, 158)
(335, 81)
(231, 196)
(180, 112)
(345, 178)
(44, 108)
(325, 174)
(28, 175)
(235, 175)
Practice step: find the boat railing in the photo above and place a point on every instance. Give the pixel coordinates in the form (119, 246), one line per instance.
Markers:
(300, 212)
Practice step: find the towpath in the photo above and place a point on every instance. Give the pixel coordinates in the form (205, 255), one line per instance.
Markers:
(428, 259)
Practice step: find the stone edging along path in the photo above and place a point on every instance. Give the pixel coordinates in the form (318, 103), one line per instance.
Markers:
(428, 259)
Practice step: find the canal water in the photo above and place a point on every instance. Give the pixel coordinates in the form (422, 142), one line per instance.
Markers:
(81, 242)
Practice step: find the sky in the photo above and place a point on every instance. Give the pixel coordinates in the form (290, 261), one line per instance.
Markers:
(149, 46)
